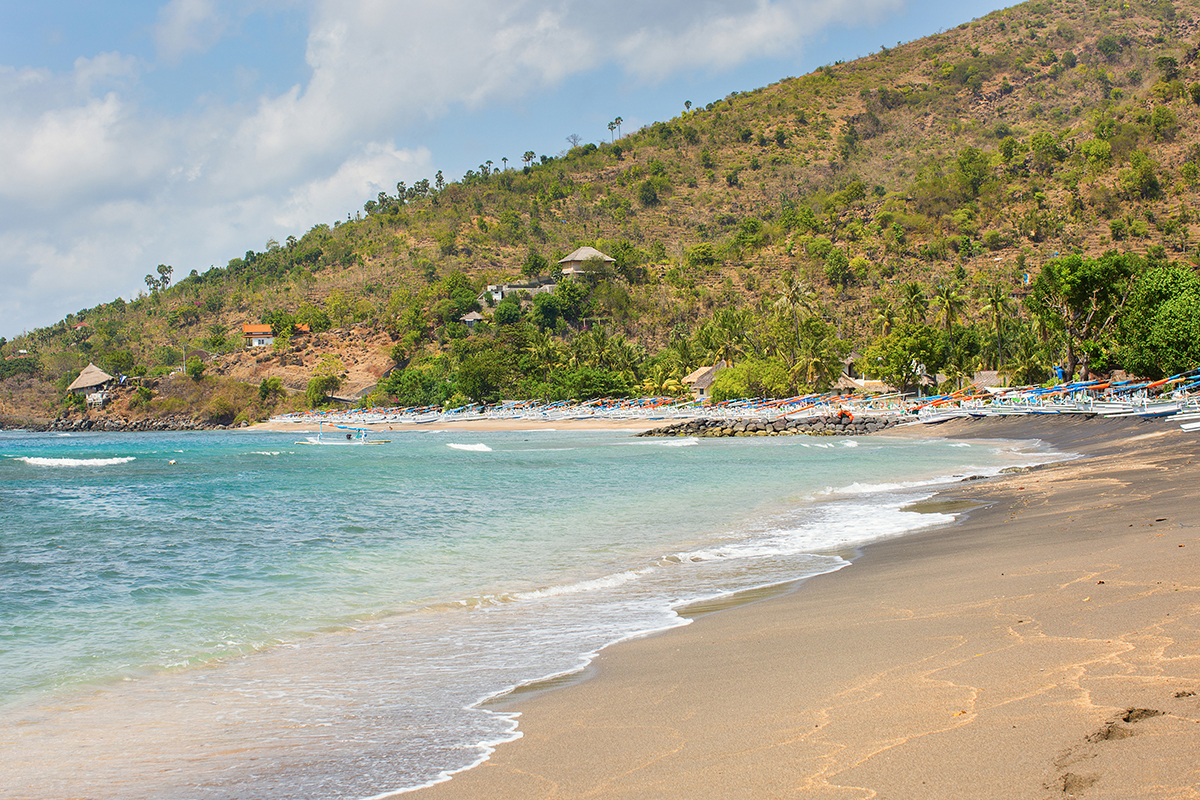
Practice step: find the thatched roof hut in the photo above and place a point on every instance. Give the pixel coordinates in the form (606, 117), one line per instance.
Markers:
(702, 379)
(573, 264)
(91, 378)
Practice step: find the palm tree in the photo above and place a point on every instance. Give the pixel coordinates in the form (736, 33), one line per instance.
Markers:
(618, 122)
(1028, 362)
(504, 159)
(948, 304)
(659, 381)
(590, 349)
(912, 302)
(997, 301)
(819, 364)
(724, 336)
(612, 126)
(885, 315)
(545, 351)
(796, 297)
(625, 357)
(529, 157)
(681, 356)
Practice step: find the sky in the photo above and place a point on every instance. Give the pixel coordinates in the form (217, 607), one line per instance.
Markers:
(185, 133)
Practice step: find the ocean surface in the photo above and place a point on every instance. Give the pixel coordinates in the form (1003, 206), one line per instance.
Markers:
(230, 615)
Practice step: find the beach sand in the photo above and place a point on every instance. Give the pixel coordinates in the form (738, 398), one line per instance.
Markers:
(1045, 645)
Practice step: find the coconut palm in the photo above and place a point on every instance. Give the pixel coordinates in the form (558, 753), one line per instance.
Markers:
(885, 316)
(795, 299)
(660, 381)
(948, 304)
(1028, 362)
(998, 303)
(623, 356)
(681, 356)
(545, 350)
(589, 349)
(912, 302)
(819, 363)
(725, 335)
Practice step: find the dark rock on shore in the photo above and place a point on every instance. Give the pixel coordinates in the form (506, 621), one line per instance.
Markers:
(832, 425)
(175, 422)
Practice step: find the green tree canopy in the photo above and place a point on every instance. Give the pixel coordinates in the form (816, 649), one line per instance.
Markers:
(901, 357)
(752, 378)
(1159, 333)
(1081, 297)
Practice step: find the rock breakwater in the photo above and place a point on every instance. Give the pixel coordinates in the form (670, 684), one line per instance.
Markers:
(832, 425)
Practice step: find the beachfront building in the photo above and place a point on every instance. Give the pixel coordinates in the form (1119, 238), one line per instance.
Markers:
(576, 264)
(258, 335)
(848, 385)
(700, 382)
(92, 382)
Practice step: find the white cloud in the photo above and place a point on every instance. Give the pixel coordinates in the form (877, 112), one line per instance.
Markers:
(97, 188)
(106, 69)
(76, 152)
(360, 178)
(186, 26)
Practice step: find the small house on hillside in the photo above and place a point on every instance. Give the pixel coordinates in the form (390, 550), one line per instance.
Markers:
(573, 264)
(700, 381)
(258, 335)
(496, 292)
(471, 319)
(92, 382)
(195, 352)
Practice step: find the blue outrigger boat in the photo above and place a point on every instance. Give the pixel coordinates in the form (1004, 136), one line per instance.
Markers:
(353, 436)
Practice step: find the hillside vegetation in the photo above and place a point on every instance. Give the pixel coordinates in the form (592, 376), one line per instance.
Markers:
(1018, 193)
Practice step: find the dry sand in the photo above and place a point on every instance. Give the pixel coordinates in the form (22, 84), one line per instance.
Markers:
(1045, 646)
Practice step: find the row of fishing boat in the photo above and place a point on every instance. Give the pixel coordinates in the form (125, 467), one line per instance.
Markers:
(1177, 397)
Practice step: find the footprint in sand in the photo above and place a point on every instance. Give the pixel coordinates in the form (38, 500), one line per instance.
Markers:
(1072, 783)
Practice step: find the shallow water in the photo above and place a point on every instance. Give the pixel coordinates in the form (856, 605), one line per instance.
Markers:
(262, 619)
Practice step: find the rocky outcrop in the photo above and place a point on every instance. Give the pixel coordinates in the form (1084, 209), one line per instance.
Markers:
(833, 425)
(176, 422)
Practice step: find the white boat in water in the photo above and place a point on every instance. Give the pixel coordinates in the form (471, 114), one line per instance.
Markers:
(345, 435)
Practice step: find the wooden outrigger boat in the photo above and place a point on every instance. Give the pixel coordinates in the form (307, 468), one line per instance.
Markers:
(353, 436)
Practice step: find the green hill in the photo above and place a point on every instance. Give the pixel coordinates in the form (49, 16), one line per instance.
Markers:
(902, 206)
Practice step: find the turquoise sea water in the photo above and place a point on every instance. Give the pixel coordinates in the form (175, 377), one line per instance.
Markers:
(222, 615)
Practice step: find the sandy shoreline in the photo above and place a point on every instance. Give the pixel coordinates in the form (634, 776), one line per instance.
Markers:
(1046, 645)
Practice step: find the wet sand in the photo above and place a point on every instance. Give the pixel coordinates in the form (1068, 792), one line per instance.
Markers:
(1045, 645)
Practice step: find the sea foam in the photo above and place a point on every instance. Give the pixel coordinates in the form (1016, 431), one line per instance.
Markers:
(691, 441)
(597, 584)
(474, 448)
(75, 462)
